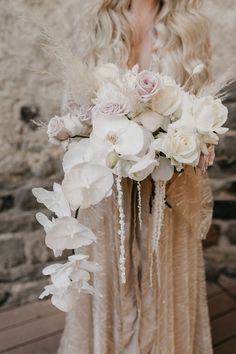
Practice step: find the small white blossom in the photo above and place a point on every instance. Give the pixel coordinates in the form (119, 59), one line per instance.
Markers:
(54, 200)
(68, 280)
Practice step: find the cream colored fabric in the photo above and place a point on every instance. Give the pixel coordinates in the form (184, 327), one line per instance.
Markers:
(172, 316)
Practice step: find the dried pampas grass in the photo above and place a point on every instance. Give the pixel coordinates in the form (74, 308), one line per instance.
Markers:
(67, 67)
(222, 22)
(77, 76)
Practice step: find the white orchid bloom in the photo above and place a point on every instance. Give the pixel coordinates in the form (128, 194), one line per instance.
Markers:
(66, 300)
(118, 134)
(65, 233)
(54, 200)
(84, 264)
(163, 171)
(87, 184)
(90, 266)
(78, 152)
(68, 233)
(60, 274)
(126, 162)
(68, 280)
(150, 120)
(47, 225)
(84, 151)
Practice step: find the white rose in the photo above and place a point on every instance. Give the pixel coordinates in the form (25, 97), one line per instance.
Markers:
(210, 115)
(181, 146)
(168, 101)
(56, 130)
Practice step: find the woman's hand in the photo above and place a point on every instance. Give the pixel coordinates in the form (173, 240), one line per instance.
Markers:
(207, 160)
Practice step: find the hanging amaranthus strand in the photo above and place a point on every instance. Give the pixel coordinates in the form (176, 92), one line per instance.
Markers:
(157, 219)
(121, 231)
(139, 204)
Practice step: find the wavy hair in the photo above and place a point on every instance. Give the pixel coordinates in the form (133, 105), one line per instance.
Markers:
(106, 33)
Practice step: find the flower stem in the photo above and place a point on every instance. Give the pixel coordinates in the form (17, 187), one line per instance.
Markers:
(76, 213)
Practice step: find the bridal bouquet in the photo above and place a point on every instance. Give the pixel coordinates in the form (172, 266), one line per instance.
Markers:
(131, 124)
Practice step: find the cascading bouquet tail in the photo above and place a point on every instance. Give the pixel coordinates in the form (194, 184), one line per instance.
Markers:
(131, 124)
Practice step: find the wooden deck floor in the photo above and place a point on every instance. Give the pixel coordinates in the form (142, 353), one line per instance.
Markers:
(36, 328)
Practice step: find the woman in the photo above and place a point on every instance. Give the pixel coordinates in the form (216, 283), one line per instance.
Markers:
(171, 316)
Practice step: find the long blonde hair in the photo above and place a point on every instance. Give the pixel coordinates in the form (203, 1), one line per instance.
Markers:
(106, 33)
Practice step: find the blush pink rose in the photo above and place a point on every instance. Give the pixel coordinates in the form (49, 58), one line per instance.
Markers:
(147, 84)
(82, 112)
(85, 114)
(57, 130)
(112, 108)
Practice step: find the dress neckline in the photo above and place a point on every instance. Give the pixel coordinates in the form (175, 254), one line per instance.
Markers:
(151, 58)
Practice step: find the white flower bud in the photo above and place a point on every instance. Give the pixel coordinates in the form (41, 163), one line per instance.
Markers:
(112, 159)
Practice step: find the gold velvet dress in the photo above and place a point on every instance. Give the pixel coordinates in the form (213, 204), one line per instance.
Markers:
(169, 317)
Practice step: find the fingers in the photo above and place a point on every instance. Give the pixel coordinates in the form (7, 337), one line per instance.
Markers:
(207, 160)
(203, 163)
(211, 155)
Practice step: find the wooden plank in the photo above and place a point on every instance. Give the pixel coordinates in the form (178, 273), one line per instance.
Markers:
(223, 328)
(228, 283)
(213, 289)
(31, 331)
(221, 304)
(32, 311)
(48, 345)
(228, 347)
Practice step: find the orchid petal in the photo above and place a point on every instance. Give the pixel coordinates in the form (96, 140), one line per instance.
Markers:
(142, 169)
(77, 257)
(53, 200)
(68, 233)
(87, 184)
(164, 171)
(44, 221)
(87, 288)
(150, 120)
(65, 301)
(117, 132)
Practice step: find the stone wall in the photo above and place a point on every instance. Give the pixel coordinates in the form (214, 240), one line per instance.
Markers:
(220, 247)
(27, 160)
